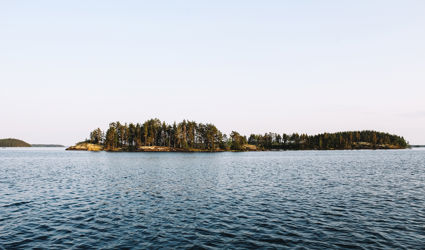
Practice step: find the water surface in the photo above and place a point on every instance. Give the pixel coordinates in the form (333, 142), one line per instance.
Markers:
(51, 198)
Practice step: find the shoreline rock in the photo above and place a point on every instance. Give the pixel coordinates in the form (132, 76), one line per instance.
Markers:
(86, 147)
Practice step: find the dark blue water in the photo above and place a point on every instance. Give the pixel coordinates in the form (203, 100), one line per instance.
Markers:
(52, 198)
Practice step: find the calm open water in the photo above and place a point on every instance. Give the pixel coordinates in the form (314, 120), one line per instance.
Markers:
(51, 198)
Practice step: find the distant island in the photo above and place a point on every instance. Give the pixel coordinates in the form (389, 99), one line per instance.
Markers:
(189, 136)
(11, 142)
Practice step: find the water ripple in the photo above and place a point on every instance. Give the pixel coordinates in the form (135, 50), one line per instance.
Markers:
(314, 200)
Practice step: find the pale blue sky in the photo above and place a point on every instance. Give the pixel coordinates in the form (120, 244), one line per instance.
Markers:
(67, 67)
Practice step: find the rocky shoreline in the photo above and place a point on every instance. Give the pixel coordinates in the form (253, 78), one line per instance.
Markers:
(85, 146)
(96, 147)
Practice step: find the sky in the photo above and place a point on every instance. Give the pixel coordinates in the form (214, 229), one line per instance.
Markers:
(68, 67)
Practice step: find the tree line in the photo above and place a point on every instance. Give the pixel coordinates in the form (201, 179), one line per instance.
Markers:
(189, 135)
(341, 140)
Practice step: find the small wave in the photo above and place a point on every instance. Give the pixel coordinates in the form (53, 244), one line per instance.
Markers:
(15, 204)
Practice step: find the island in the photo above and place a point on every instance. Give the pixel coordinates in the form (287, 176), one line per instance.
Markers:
(47, 145)
(11, 142)
(189, 136)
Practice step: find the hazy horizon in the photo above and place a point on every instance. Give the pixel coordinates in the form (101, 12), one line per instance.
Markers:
(275, 66)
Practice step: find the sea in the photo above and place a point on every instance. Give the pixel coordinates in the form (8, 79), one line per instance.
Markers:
(360, 199)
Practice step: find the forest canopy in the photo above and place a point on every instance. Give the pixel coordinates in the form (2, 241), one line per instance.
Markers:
(193, 136)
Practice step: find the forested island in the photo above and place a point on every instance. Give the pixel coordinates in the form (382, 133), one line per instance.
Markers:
(189, 136)
(15, 143)
(11, 142)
